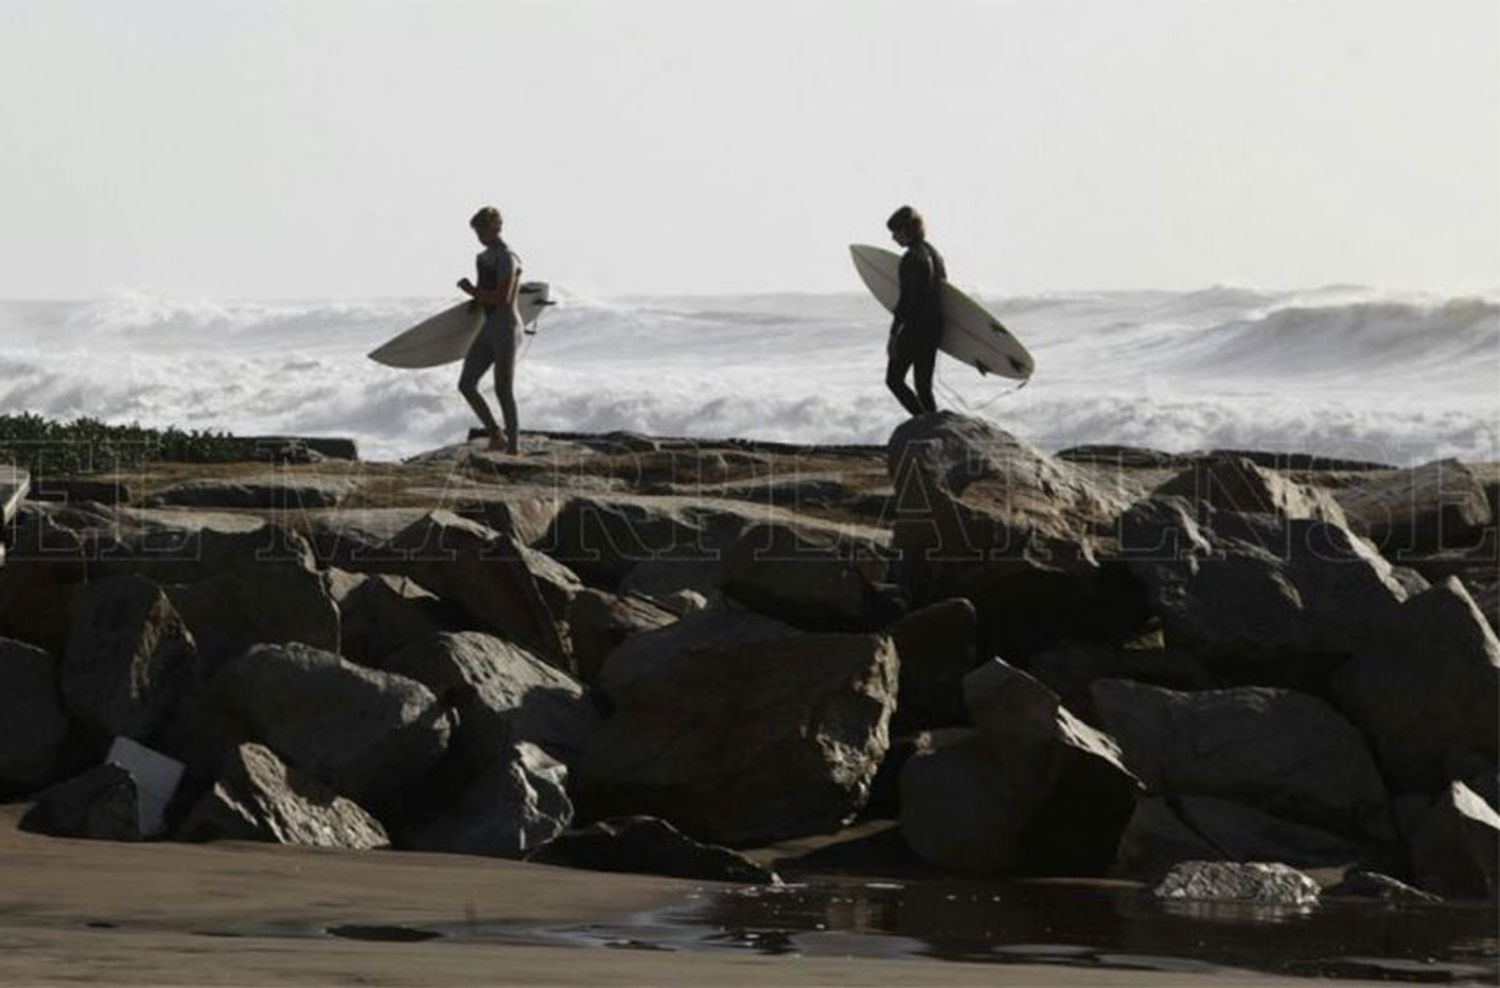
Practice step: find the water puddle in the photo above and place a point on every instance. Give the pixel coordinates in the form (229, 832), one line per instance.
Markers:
(1067, 923)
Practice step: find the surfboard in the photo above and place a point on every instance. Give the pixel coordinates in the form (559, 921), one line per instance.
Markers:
(445, 337)
(970, 333)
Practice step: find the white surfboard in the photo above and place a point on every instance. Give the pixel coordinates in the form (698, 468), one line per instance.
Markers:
(970, 332)
(445, 337)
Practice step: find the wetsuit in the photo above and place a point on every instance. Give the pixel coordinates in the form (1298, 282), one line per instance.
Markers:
(917, 326)
(496, 341)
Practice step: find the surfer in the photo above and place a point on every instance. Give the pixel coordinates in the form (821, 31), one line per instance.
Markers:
(499, 273)
(918, 320)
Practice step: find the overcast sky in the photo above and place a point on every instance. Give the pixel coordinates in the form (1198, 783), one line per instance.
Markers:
(337, 149)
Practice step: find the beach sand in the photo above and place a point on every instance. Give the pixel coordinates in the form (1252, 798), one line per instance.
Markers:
(100, 913)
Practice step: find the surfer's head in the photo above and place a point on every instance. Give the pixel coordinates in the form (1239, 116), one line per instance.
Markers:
(486, 224)
(906, 226)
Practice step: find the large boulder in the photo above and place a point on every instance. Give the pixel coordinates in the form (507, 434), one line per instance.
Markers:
(363, 733)
(256, 797)
(938, 646)
(1156, 840)
(1419, 510)
(957, 808)
(604, 537)
(101, 804)
(54, 547)
(1263, 600)
(503, 586)
(747, 742)
(1064, 779)
(1427, 689)
(1245, 833)
(816, 581)
(129, 658)
(1454, 851)
(1235, 484)
(503, 693)
(277, 601)
(342, 536)
(968, 493)
(510, 807)
(646, 845)
(1286, 753)
(641, 657)
(599, 621)
(33, 726)
(380, 613)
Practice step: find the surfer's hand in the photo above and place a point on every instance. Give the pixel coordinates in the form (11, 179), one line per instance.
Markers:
(466, 286)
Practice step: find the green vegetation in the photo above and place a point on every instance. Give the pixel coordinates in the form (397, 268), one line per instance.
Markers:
(85, 445)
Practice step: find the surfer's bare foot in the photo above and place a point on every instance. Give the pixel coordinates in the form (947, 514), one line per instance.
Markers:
(497, 443)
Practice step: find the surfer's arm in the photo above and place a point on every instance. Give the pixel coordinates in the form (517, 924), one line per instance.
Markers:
(496, 296)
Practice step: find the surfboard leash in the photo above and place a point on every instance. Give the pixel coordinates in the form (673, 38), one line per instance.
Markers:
(955, 398)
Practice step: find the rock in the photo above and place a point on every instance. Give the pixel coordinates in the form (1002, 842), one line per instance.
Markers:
(1063, 778)
(100, 804)
(1286, 753)
(646, 845)
(970, 494)
(363, 733)
(380, 614)
(956, 810)
(1243, 833)
(15, 484)
(53, 547)
(1421, 509)
(747, 742)
(503, 586)
(1454, 852)
(129, 658)
(1235, 484)
(1155, 841)
(885, 788)
(1070, 668)
(33, 727)
(286, 491)
(503, 693)
(643, 656)
(1372, 885)
(277, 601)
(810, 580)
(1262, 600)
(1487, 599)
(938, 646)
(345, 536)
(1231, 881)
(599, 621)
(522, 512)
(516, 804)
(604, 538)
(1430, 686)
(258, 798)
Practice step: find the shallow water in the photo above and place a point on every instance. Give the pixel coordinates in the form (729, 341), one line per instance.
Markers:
(1079, 924)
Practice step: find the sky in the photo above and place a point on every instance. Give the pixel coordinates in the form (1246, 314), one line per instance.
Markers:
(336, 149)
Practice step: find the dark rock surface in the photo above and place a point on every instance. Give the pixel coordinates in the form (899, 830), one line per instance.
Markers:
(33, 727)
(258, 798)
(746, 742)
(649, 846)
(100, 804)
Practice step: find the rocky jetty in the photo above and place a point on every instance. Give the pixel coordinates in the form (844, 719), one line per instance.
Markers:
(1196, 670)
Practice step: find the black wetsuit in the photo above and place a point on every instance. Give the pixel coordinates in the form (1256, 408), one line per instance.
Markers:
(916, 327)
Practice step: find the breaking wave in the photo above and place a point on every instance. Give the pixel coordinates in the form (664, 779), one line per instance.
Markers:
(1341, 371)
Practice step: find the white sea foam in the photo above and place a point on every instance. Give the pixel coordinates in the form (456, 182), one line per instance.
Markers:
(1341, 371)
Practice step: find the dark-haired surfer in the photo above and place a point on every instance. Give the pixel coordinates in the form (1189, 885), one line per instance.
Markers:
(918, 321)
(499, 273)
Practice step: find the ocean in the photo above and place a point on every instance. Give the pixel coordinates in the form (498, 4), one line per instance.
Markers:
(1341, 371)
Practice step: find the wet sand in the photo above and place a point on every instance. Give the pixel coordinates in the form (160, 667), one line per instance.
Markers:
(91, 912)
